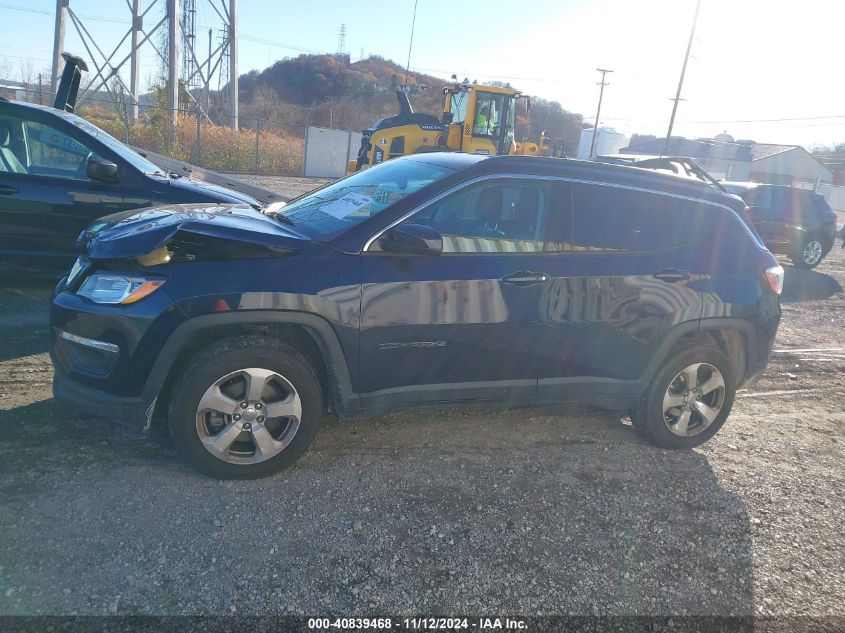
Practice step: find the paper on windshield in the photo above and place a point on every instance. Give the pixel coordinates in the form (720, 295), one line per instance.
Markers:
(346, 205)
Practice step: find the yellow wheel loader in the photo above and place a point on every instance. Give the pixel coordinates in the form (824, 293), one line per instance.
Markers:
(477, 119)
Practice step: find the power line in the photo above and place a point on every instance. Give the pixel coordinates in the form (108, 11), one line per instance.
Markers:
(800, 118)
(293, 47)
(49, 12)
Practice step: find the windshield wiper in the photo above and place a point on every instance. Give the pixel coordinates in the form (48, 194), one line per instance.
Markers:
(283, 219)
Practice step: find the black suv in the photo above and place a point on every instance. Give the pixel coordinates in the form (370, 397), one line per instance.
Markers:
(791, 221)
(437, 278)
(59, 172)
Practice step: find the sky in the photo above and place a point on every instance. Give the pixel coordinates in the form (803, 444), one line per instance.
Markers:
(769, 71)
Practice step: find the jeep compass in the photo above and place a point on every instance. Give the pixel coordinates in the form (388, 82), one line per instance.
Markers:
(429, 279)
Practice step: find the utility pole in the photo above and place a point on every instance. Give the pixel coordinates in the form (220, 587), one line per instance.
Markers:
(58, 44)
(411, 45)
(233, 64)
(603, 83)
(681, 81)
(135, 60)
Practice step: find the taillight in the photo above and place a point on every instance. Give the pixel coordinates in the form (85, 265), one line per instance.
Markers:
(774, 276)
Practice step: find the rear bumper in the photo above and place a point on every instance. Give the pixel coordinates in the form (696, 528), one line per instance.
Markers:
(133, 416)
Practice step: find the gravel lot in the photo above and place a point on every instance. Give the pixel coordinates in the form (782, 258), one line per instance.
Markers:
(527, 511)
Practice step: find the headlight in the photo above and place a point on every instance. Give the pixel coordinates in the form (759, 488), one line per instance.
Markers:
(113, 289)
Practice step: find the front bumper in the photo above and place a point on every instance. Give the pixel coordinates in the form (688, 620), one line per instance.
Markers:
(133, 416)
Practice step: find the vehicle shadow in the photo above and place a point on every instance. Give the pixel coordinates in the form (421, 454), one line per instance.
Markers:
(801, 284)
(565, 498)
(50, 436)
(538, 510)
(23, 341)
(24, 310)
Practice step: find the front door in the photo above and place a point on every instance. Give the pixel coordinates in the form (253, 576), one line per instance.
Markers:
(46, 197)
(464, 324)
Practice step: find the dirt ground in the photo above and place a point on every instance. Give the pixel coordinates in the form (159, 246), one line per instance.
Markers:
(288, 187)
(556, 510)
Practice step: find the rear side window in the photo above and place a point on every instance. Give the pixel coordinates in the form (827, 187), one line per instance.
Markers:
(614, 219)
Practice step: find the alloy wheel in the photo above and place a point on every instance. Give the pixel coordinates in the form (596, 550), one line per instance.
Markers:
(694, 399)
(812, 252)
(248, 416)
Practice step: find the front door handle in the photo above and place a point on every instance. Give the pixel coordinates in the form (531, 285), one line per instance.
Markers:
(672, 275)
(6, 190)
(525, 278)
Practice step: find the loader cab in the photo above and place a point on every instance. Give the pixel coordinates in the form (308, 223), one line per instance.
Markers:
(480, 119)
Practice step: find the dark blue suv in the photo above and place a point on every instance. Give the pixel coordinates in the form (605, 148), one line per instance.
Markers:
(437, 278)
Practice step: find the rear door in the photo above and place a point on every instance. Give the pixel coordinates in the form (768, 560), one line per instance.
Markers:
(46, 198)
(464, 324)
(770, 215)
(625, 271)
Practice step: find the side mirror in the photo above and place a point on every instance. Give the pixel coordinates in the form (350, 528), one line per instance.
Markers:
(101, 169)
(448, 117)
(412, 239)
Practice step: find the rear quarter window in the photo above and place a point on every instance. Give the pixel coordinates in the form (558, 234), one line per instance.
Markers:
(616, 219)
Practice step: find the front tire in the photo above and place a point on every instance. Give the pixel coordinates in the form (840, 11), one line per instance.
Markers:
(246, 408)
(688, 400)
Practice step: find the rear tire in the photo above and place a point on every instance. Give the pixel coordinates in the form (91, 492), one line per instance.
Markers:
(688, 400)
(809, 252)
(245, 408)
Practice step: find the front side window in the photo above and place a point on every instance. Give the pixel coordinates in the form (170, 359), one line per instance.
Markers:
(36, 149)
(615, 219)
(459, 106)
(54, 153)
(495, 216)
(329, 211)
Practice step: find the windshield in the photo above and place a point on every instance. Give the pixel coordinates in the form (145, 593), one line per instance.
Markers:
(130, 156)
(331, 210)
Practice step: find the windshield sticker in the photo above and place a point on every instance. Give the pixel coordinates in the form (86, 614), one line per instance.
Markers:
(346, 205)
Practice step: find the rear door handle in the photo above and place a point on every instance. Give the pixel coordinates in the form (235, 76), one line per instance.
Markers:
(671, 275)
(6, 190)
(525, 278)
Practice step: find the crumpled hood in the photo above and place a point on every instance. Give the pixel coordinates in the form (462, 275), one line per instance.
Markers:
(138, 232)
(215, 192)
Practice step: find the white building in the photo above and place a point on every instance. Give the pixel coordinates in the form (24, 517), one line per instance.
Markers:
(743, 160)
(608, 141)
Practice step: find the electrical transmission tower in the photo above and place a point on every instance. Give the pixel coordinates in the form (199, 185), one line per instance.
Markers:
(184, 63)
(341, 40)
(189, 38)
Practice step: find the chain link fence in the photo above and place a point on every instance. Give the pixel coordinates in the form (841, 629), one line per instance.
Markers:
(261, 146)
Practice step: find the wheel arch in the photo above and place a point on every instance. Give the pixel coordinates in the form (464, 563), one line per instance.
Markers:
(310, 334)
(735, 337)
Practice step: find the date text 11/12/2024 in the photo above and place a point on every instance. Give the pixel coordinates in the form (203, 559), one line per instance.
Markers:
(418, 624)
